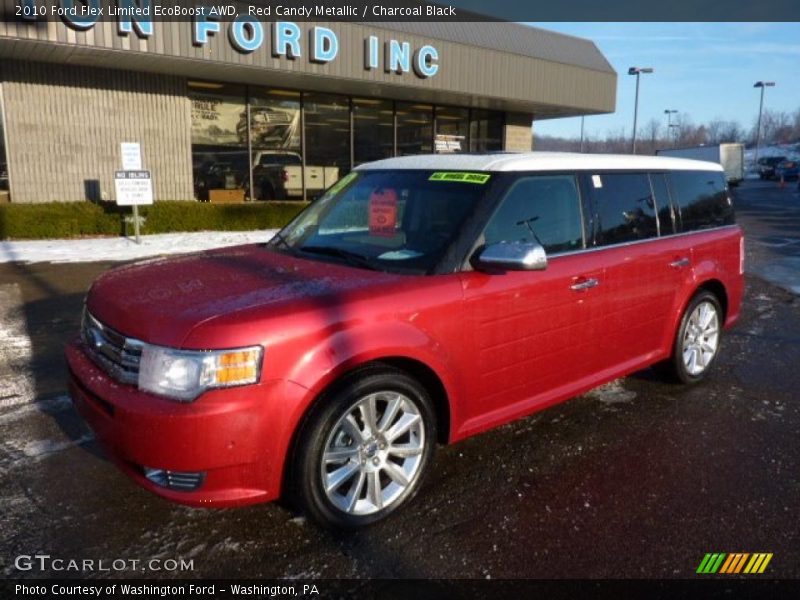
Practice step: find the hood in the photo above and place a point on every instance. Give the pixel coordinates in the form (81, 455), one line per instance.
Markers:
(161, 300)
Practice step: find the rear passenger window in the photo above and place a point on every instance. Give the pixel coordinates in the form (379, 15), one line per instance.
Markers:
(702, 199)
(545, 205)
(624, 206)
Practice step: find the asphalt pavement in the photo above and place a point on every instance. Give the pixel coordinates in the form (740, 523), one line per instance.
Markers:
(639, 478)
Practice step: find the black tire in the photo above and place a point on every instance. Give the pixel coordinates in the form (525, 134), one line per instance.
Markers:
(317, 431)
(675, 368)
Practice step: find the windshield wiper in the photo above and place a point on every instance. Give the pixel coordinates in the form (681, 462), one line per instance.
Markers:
(352, 257)
(282, 242)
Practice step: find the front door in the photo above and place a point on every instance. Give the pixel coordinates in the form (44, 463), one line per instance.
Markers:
(533, 331)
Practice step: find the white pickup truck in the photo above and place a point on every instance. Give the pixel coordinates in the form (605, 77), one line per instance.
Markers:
(278, 175)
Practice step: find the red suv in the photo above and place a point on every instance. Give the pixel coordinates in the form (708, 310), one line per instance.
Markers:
(421, 300)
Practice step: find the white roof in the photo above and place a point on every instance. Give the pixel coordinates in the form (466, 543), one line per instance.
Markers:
(539, 161)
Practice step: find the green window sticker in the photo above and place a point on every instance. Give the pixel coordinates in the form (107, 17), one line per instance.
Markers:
(459, 176)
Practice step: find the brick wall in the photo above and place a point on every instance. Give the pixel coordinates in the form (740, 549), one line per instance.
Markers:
(64, 125)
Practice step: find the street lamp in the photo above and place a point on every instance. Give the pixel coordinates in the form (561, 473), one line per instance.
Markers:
(763, 85)
(669, 112)
(637, 71)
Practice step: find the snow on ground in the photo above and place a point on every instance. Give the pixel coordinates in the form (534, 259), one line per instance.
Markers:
(16, 381)
(118, 248)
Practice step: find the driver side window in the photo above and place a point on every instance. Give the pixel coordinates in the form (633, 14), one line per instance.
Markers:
(546, 207)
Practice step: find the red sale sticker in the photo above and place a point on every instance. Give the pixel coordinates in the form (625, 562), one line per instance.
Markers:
(383, 212)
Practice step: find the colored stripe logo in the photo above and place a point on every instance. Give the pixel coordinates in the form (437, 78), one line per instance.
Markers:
(731, 564)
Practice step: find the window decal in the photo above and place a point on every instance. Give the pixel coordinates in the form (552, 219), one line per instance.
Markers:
(383, 212)
(480, 178)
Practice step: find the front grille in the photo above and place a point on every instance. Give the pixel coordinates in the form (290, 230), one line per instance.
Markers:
(117, 355)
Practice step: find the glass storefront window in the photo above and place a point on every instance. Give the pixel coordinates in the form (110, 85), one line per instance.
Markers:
(452, 130)
(414, 128)
(275, 139)
(486, 131)
(327, 133)
(5, 194)
(292, 145)
(373, 130)
(220, 165)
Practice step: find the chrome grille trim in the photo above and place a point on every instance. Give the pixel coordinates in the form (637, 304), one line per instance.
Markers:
(117, 355)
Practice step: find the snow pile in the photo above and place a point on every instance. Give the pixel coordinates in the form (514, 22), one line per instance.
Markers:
(121, 249)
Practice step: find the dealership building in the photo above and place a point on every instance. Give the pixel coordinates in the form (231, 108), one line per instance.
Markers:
(238, 110)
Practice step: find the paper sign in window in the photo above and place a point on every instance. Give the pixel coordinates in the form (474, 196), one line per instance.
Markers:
(383, 212)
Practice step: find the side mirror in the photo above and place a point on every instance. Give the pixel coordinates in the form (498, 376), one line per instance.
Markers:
(511, 256)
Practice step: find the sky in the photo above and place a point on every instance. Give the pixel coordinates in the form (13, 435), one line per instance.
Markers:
(703, 70)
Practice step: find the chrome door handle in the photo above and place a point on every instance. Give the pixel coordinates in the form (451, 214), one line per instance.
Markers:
(680, 263)
(585, 284)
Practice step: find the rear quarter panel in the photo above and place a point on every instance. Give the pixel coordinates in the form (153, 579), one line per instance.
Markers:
(715, 256)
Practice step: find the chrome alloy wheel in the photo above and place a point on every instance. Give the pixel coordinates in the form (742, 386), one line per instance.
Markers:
(701, 338)
(373, 454)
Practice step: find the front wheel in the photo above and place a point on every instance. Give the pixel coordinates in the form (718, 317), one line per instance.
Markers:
(363, 451)
(697, 342)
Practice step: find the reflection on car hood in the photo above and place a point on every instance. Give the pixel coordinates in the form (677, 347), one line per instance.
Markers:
(161, 300)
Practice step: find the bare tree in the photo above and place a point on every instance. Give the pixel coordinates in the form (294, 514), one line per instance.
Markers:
(777, 127)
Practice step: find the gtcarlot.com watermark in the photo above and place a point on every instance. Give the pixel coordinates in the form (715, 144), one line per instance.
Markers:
(45, 562)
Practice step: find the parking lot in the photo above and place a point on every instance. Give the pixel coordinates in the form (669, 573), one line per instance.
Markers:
(636, 479)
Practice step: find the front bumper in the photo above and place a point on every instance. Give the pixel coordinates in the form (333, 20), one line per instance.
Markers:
(237, 436)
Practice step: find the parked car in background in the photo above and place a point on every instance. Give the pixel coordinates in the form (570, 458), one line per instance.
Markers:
(788, 169)
(421, 300)
(767, 164)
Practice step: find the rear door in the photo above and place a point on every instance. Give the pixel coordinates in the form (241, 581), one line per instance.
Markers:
(533, 332)
(640, 269)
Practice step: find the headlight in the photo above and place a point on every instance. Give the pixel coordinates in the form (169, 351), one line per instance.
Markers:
(185, 374)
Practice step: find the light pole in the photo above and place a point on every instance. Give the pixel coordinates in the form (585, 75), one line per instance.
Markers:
(637, 71)
(582, 118)
(669, 112)
(763, 85)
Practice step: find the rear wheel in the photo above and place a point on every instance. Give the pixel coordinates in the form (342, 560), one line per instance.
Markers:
(697, 342)
(363, 451)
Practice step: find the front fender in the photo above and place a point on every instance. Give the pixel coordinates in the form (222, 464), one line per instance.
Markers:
(346, 350)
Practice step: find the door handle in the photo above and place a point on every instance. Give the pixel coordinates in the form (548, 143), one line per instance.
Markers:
(584, 284)
(680, 263)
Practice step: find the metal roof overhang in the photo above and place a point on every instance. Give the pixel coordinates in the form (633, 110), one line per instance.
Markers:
(543, 87)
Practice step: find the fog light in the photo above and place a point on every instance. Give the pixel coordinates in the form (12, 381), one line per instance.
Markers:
(175, 480)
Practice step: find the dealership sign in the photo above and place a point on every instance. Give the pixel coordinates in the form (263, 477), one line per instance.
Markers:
(244, 29)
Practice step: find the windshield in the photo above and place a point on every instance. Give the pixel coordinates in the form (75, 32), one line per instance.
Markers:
(397, 221)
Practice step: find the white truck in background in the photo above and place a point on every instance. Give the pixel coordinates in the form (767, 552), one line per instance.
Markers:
(278, 175)
(730, 156)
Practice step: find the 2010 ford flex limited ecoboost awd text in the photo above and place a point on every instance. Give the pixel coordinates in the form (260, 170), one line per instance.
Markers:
(421, 300)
